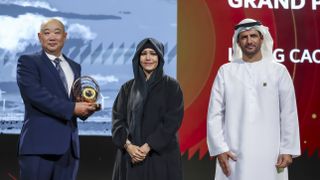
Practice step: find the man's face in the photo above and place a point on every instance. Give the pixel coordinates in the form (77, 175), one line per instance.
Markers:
(52, 37)
(149, 60)
(250, 42)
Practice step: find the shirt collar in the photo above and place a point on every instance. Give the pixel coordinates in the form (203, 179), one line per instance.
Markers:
(53, 57)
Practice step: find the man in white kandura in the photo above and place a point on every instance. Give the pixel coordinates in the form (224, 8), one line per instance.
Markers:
(253, 125)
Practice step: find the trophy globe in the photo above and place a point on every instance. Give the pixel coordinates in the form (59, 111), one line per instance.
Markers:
(86, 89)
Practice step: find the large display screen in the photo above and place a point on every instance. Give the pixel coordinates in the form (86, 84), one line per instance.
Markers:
(205, 30)
(102, 36)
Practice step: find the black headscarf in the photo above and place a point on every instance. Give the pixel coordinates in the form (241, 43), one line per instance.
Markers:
(141, 88)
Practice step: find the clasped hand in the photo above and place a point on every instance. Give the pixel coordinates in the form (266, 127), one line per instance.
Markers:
(138, 154)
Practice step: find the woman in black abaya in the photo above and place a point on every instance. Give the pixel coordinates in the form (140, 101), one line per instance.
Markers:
(146, 116)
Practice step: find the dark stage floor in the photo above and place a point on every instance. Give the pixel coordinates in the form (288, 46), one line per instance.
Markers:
(97, 156)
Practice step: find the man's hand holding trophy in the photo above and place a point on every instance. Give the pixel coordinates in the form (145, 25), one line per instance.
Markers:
(86, 91)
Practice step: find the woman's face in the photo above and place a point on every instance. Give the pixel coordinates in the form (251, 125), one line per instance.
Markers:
(149, 60)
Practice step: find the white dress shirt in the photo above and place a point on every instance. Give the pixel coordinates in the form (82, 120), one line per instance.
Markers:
(66, 69)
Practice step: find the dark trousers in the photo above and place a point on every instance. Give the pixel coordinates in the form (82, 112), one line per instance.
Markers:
(48, 167)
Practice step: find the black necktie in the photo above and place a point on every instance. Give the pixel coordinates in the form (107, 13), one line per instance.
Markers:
(61, 73)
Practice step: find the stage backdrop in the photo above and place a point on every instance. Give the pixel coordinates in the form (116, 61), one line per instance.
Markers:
(102, 36)
(205, 29)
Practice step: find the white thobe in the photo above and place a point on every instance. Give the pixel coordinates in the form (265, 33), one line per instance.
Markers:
(252, 113)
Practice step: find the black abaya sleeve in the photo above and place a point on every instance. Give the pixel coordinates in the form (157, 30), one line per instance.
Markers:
(172, 118)
(119, 117)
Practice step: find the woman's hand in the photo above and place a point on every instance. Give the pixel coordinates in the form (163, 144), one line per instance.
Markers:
(136, 154)
(145, 148)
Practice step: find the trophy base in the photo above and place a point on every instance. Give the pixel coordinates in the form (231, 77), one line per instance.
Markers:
(98, 107)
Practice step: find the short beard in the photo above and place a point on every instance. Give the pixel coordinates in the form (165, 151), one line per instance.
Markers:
(251, 53)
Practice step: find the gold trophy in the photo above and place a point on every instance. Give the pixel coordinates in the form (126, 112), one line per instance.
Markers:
(86, 89)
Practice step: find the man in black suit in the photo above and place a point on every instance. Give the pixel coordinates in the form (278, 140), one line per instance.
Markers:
(49, 142)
